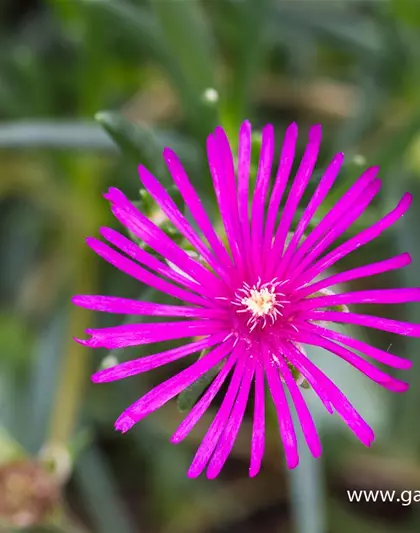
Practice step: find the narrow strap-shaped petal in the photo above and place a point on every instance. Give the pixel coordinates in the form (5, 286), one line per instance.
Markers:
(375, 322)
(362, 238)
(144, 364)
(258, 426)
(223, 173)
(203, 404)
(343, 407)
(141, 256)
(372, 269)
(377, 296)
(347, 219)
(195, 206)
(231, 430)
(139, 334)
(212, 436)
(318, 197)
(306, 421)
(287, 430)
(375, 374)
(260, 193)
(310, 378)
(349, 199)
(170, 388)
(136, 272)
(382, 356)
(168, 206)
(287, 157)
(300, 183)
(113, 304)
(157, 239)
(244, 168)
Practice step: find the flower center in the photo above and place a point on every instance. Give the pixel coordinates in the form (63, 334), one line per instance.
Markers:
(261, 301)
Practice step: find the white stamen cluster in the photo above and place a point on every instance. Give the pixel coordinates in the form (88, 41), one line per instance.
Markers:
(262, 301)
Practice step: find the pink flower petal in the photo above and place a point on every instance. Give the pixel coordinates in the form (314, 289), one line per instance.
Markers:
(216, 428)
(300, 183)
(343, 407)
(244, 167)
(138, 334)
(378, 296)
(136, 272)
(382, 356)
(287, 430)
(394, 263)
(144, 258)
(170, 388)
(375, 374)
(144, 364)
(258, 428)
(347, 218)
(285, 166)
(306, 421)
(192, 200)
(260, 193)
(348, 200)
(318, 197)
(203, 404)
(223, 173)
(156, 238)
(355, 242)
(168, 206)
(112, 304)
(376, 322)
(231, 430)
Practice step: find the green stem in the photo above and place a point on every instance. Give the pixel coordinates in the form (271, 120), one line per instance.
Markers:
(74, 369)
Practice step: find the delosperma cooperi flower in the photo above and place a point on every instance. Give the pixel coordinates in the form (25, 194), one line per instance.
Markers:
(253, 298)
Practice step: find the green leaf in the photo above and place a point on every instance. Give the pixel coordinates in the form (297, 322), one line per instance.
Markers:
(250, 20)
(350, 171)
(190, 44)
(54, 134)
(344, 27)
(136, 141)
(406, 10)
(149, 208)
(189, 38)
(143, 144)
(99, 489)
(340, 308)
(305, 482)
(297, 376)
(40, 393)
(396, 142)
(404, 431)
(135, 22)
(14, 338)
(307, 488)
(147, 204)
(9, 448)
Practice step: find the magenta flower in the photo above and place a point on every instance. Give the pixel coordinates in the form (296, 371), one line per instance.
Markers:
(253, 303)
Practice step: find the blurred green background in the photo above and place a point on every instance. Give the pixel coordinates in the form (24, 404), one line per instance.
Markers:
(90, 88)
